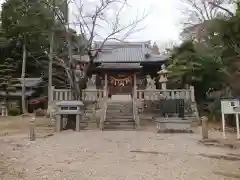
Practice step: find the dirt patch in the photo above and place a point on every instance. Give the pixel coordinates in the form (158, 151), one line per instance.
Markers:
(149, 152)
(7, 171)
(218, 143)
(228, 175)
(12, 125)
(221, 157)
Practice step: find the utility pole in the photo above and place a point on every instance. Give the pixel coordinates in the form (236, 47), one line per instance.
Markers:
(24, 110)
(50, 98)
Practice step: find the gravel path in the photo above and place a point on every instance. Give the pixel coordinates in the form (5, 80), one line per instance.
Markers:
(95, 155)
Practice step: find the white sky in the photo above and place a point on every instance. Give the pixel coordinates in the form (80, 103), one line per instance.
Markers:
(162, 23)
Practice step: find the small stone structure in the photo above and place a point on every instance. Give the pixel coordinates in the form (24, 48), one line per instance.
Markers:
(4, 111)
(68, 108)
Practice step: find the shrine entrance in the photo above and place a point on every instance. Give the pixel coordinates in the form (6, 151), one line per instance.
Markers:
(120, 85)
(119, 78)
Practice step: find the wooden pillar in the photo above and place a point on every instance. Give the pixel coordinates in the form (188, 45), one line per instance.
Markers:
(105, 85)
(135, 86)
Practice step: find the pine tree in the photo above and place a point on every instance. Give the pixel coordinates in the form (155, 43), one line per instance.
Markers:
(8, 80)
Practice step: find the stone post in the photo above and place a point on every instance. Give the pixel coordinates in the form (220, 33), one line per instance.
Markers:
(58, 122)
(192, 96)
(204, 120)
(237, 124)
(78, 117)
(32, 129)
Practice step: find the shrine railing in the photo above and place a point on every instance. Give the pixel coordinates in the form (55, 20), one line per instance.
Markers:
(158, 94)
(66, 95)
(144, 97)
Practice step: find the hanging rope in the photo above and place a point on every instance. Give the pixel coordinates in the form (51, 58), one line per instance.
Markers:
(120, 81)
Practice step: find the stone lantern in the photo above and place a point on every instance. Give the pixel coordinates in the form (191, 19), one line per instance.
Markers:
(163, 77)
(4, 111)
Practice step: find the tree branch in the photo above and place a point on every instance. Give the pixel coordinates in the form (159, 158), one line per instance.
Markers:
(222, 8)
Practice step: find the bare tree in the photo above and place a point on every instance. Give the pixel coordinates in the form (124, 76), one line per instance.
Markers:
(197, 14)
(102, 23)
(198, 11)
(165, 46)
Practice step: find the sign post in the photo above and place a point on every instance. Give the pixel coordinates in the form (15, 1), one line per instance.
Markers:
(230, 106)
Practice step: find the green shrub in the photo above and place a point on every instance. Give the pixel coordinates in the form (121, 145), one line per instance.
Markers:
(14, 111)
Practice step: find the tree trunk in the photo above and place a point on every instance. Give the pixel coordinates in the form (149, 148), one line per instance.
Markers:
(50, 67)
(50, 98)
(24, 110)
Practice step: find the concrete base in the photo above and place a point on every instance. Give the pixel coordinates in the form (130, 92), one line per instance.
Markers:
(173, 124)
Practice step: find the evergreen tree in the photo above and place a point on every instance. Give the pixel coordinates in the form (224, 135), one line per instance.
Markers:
(8, 80)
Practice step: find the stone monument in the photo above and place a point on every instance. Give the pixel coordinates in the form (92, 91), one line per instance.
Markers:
(150, 87)
(91, 90)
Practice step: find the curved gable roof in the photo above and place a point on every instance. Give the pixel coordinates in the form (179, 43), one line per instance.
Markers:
(124, 52)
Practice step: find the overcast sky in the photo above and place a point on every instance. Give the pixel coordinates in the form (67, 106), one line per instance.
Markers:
(162, 23)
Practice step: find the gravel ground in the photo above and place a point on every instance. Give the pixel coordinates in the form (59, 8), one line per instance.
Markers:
(113, 155)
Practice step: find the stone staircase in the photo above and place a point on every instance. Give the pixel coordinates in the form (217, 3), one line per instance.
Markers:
(89, 121)
(119, 116)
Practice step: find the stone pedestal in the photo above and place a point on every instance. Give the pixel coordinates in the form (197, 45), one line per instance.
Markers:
(174, 124)
(150, 88)
(91, 90)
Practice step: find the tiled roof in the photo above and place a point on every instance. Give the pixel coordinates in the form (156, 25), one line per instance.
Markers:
(120, 66)
(125, 52)
(30, 82)
(17, 93)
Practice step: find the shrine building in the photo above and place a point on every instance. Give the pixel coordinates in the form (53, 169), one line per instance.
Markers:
(121, 64)
(123, 69)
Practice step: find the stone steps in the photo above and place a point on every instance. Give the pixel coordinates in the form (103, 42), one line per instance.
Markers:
(119, 125)
(118, 120)
(119, 116)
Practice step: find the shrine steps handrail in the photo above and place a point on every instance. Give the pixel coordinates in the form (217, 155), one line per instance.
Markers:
(84, 90)
(160, 90)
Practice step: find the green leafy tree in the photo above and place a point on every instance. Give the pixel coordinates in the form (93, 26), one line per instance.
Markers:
(8, 79)
(27, 21)
(203, 70)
